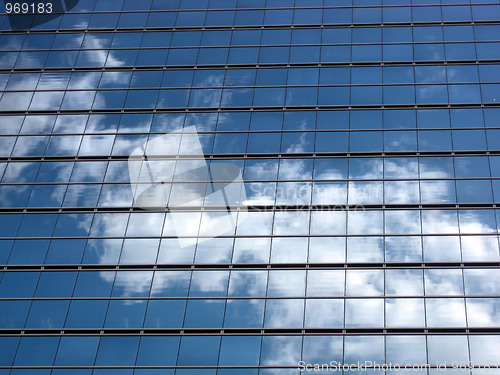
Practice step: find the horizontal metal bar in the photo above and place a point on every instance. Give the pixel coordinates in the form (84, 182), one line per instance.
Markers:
(246, 66)
(248, 266)
(263, 108)
(255, 331)
(250, 27)
(260, 208)
(244, 156)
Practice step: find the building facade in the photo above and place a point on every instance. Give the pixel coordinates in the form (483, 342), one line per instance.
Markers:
(215, 187)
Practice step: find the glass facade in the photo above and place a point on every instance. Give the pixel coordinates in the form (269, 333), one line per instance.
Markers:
(367, 136)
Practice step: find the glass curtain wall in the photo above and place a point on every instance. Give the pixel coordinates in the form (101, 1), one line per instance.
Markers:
(364, 230)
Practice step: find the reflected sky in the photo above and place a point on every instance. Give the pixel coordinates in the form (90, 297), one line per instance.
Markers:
(276, 269)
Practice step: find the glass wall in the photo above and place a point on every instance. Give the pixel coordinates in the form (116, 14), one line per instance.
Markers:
(361, 231)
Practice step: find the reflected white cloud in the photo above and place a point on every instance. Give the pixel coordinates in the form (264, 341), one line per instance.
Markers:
(445, 312)
(281, 350)
(443, 282)
(364, 312)
(483, 312)
(209, 283)
(447, 349)
(324, 313)
(365, 282)
(284, 313)
(408, 312)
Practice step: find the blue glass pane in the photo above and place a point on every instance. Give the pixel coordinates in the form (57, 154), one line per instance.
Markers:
(240, 351)
(14, 313)
(158, 351)
(47, 314)
(36, 351)
(86, 314)
(77, 351)
(28, 252)
(165, 314)
(117, 351)
(199, 351)
(9, 345)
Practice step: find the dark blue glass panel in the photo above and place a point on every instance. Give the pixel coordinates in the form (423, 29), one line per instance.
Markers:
(125, 314)
(165, 314)
(366, 95)
(274, 55)
(474, 191)
(304, 54)
(9, 345)
(333, 96)
(19, 284)
(263, 142)
(434, 140)
(278, 17)
(240, 351)
(158, 351)
(65, 251)
(86, 314)
(117, 351)
(466, 117)
(220, 18)
(36, 351)
(300, 96)
(271, 77)
(14, 314)
(94, 284)
(433, 118)
(201, 313)
(28, 252)
(332, 142)
(9, 223)
(47, 314)
(249, 17)
(199, 351)
(56, 284)
(365, 141)
(428, 52)
(493, 139)
(161, 19)
(469, 139)
(215, 37)
(335, 54)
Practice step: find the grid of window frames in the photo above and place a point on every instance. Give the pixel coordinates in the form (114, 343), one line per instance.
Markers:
(367, 133)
